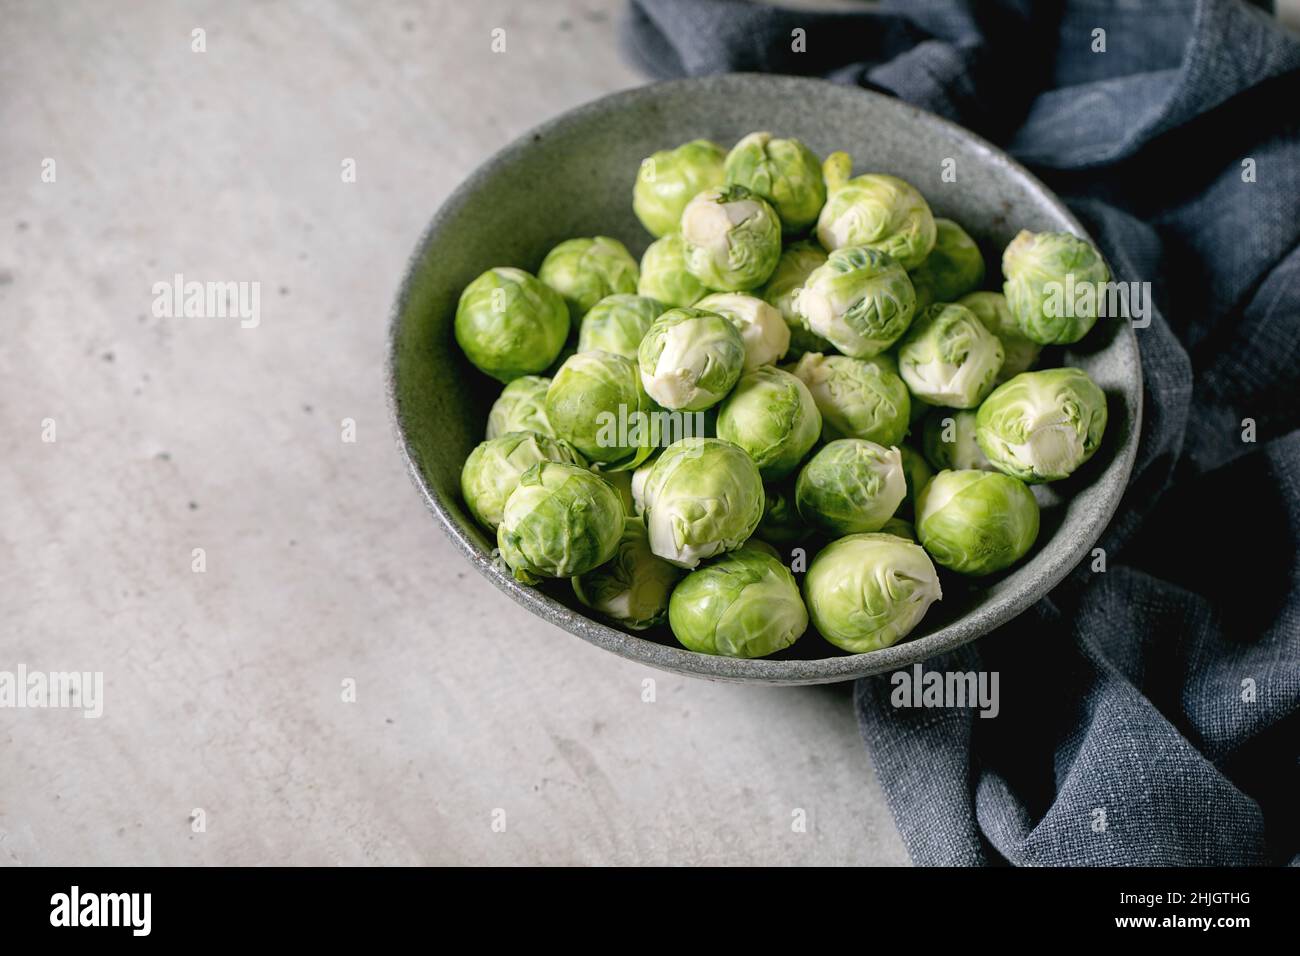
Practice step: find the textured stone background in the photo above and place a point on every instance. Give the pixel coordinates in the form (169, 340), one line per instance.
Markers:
(223, 689)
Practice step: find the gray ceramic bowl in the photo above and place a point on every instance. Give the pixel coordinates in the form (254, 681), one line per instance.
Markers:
(573, 177)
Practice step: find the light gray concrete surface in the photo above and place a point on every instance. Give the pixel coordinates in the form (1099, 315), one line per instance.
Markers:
(223, 690)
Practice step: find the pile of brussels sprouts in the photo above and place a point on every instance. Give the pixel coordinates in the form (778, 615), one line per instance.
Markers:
(822, 321)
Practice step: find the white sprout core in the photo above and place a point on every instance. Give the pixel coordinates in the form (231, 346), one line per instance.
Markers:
(639, 477)
(674, 381)
(707, 224)
(764, 332)
(1052, 447)
(852, 222)
(824, 311)
(942, 383)
(667, 543)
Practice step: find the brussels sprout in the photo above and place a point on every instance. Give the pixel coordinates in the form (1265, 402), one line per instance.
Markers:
(703, 496)
(953, 267)
(917, 473)
(492, 470)
(899, 529)
(732, 239)
(887, 361)
(521, 407)
(509, 324)
(875, 210)
(639, 477)
(868, 591)
(632, 588)
(850, 486)
(690, 359)
(745, 604)
(670, 179)
(584, 271)
(596, 403)
(949, 441)
(560, 522)
(861, 300)
(991, 309)
(569, 351)
(949, 358)
(1041, 426)
(621, 481)
(664, 276)
(761, 327)
(772, 416)
(785, 172)
(919, 408)
(1044, 272)
(618, 323)
(781, 523)
(797, 262)
(858, 398)
(976, 522)
(757, 544)
(924, 297)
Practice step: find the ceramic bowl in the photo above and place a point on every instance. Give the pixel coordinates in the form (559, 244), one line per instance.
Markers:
(573, 176)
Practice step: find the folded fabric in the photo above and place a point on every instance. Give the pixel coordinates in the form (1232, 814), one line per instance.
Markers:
(1149, 714)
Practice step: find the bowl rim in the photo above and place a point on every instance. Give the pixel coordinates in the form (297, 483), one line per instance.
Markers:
(679, 660)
